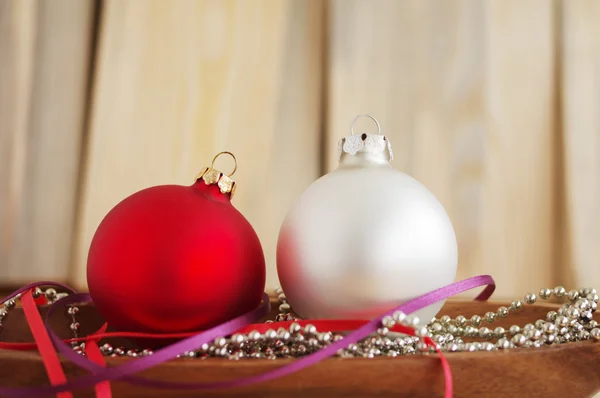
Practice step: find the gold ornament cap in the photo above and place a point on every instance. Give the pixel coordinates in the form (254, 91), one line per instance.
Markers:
(212, 176)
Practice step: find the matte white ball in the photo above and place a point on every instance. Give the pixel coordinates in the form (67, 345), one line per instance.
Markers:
(364, 239)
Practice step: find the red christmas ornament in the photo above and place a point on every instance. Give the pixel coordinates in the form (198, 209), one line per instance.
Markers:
(176, 258)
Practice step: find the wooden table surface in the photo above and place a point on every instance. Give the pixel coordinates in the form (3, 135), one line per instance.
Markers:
(569, 370)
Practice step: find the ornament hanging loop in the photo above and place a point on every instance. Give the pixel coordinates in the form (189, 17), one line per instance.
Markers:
(365, 115)
(225, 153)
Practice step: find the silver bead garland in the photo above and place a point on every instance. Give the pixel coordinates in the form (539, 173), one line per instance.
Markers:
(572, 322)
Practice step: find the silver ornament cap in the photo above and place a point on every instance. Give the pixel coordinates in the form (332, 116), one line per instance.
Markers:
(373, 146)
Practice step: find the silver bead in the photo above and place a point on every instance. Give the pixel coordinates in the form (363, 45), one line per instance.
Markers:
(549, 328)
(578, 327)
(445, 320)
(539, 324)
(272, 334)
(238, 338)
(438, 328)
(285, 308)
(61, 296)
(559, 291)
(74, 326)
(295, 327)
(562, 331)
(408, 350)
(561, 321)
(519, 340)
(470, 347)
(568, 336)
(220, 342)
(528, 326)
(388, 321)
(411, 320)
(422, 347)
(573, 295)
(325, 337)
(550, 338)
(594, 306)
(119, 351)
(452, 329)
(452, 347)
(475, 320)
(561, 311)
(572, 312)
(593, 297)
(592, 324)
(3, 313)
(50, 294)
(499, 332)
(10, 303)
(283, 334)
(422, 331)
(461, 321)
(538, 343)
(485, 333)
(254, 335)
(471, 331)
(147, 353)
(133, 353)
(514, 329)
(487, 346)
(72, 310)
(37, 292)
(490, 317)
(106, 349)
(516, 305)
(204, 348)
(503, 343)
(551, 316)
(502, 312)
(399, 316)
(310, 329)
(595, 333)
(530, 298)
(545, 293)
(281, 298)
(583, 304)
(392, 353)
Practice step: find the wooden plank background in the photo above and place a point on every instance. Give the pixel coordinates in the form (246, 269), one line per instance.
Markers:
(493, 105)
(45, 56)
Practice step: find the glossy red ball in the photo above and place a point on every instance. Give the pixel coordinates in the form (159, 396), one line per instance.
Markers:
(175, 258)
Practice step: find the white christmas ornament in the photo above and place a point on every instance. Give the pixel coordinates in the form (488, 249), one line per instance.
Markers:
(364, 238)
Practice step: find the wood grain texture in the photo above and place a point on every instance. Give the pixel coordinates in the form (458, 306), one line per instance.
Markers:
(45, 49)
(180, 81)
(581, 138)
(470, 114)
(480, 374)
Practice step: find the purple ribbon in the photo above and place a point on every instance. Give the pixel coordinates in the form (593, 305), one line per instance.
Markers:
(128, 369)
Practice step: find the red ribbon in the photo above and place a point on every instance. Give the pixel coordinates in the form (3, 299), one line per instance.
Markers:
(54, 369)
